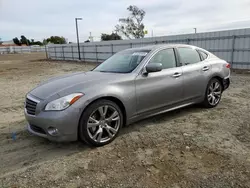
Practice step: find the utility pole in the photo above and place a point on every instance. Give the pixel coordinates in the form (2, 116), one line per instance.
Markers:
(195, 30)
(77, 35)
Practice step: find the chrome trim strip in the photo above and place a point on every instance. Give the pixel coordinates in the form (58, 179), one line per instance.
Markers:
(32, 99)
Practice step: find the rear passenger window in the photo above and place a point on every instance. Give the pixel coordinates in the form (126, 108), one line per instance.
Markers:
(166, 58)
(203, 55)
(189, 56)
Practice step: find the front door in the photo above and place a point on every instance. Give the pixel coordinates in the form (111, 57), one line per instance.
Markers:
(160, 89)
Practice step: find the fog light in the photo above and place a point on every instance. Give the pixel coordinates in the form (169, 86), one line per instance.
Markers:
(53, 131)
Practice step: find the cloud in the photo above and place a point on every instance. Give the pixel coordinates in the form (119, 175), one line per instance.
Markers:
(41, 19)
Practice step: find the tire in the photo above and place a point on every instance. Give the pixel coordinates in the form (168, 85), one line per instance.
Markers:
(100, 123)
(213, 93)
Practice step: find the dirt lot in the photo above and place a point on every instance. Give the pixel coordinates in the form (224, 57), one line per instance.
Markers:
(191, 147)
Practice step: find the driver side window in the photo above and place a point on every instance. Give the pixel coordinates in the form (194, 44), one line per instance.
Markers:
(165, 57)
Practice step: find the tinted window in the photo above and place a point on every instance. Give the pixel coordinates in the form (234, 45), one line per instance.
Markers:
(189, 56)
(203, 54)
(122, 62)
(165, 57)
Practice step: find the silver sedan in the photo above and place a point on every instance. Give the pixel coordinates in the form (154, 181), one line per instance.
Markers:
(131, 85)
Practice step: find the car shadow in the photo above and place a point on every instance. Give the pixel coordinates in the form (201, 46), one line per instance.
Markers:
(160, 118)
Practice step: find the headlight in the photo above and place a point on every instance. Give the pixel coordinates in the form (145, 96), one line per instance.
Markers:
(64, 102)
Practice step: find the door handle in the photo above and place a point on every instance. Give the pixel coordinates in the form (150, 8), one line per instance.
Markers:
(176, 75)
(206, 68)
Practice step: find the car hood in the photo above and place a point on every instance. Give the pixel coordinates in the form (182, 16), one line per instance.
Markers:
(71, 83)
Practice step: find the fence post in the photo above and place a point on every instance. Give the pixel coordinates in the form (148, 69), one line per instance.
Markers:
(232, 50)
(63, 52)
(55, 52)
(46, 52)
(83, 55)
(72, 52)
(112, 49)
(96, 53)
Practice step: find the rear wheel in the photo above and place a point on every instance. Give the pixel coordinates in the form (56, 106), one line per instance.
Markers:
(213, 93)
(100, 123)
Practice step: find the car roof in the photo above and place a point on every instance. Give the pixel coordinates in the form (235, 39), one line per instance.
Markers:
(157, 46)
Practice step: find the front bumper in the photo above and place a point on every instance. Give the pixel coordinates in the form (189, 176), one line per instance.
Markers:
(66, 122)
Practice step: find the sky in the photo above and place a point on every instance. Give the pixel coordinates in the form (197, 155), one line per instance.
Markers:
(39, 19)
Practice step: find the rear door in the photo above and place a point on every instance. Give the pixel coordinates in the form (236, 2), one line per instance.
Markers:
(196, 70)
(160, 89)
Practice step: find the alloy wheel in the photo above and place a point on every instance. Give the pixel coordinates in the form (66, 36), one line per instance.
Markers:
(214, 93)
(103, 124)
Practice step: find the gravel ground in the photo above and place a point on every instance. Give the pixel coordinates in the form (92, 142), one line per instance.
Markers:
(191, 147)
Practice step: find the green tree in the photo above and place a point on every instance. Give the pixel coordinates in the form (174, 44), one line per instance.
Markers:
(16, 41)
(24, 40)
(37, 43)
(56, 40)
(45, 42)
(33, 42)
(1, 41)
(132, 26)
(113, 36)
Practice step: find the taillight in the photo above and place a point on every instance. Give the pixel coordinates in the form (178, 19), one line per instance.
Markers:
(228, 65)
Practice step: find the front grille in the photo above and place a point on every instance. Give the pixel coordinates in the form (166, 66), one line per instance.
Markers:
(37, 129)
(30, 106)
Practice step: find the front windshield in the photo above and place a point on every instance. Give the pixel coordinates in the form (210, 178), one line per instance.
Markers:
(122, 62)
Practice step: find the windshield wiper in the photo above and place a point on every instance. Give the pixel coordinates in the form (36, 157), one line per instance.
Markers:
(111, 71)
(104, 71)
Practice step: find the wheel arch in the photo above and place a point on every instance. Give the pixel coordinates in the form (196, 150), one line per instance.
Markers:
(218, 78)
(111, 98)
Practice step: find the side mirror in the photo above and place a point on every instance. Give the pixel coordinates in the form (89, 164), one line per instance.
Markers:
(153, 67)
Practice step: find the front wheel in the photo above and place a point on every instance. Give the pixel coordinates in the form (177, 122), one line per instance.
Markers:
(100, 123)
(213, 93)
